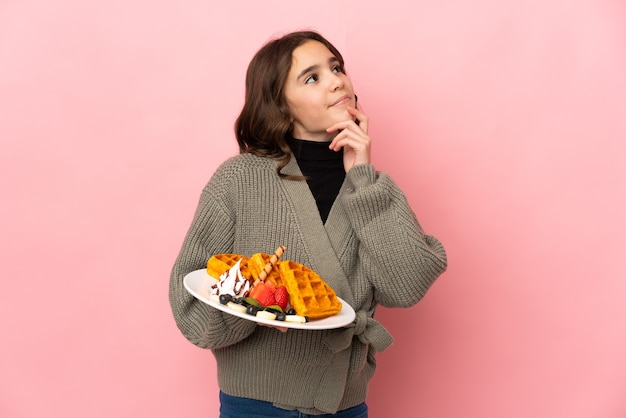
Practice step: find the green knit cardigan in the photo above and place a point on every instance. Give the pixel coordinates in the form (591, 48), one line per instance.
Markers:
(371, 251)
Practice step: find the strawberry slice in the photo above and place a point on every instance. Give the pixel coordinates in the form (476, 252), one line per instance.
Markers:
(264, 294)
(282, 297)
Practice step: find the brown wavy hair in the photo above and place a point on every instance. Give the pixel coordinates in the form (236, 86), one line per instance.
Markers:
(265, 121)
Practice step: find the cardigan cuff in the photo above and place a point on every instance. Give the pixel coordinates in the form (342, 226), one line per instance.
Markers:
(361, 175)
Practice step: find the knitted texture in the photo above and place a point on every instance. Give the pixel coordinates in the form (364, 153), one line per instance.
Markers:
(371, 251)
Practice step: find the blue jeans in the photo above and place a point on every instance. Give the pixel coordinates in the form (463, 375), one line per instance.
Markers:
(234, 407)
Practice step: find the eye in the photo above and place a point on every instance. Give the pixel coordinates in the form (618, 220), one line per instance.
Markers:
(311, 79)
(337, 69)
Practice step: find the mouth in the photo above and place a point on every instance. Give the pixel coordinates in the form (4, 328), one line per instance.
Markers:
(343, 100)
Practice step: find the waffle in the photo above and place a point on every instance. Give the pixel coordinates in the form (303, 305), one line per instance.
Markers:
(257, 263)
(309, 295)
(220, 263)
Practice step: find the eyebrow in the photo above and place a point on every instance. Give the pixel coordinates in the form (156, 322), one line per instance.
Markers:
(307, 70)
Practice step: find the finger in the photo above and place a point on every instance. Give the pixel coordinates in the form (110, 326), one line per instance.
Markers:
(351, 124)
(361, 117)
(281, 329)
(341, 139)
(346, 138)
(344, 125)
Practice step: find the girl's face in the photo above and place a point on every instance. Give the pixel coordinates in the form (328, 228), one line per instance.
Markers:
(317, 92)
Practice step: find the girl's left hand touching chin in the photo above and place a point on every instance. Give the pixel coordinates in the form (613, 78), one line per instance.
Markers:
(353, 139)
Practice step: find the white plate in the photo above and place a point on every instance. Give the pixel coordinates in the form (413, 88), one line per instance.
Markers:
(199, 283)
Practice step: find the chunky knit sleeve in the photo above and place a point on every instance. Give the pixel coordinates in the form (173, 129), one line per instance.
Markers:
(211, 232)
(399, 259)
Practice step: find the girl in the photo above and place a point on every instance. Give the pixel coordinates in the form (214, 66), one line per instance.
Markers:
(303, 179)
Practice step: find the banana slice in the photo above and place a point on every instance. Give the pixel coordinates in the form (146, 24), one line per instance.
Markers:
(266, 315)
(236, 307)
(295, 318)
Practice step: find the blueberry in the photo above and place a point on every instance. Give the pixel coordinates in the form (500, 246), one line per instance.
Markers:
(252, 310)
(225, 298)
(280, 316)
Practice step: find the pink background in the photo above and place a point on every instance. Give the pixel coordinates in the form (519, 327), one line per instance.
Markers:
(505, 122)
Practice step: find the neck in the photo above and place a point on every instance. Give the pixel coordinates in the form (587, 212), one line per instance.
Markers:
(321, 137)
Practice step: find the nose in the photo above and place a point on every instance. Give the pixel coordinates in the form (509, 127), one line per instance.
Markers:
(337, 82)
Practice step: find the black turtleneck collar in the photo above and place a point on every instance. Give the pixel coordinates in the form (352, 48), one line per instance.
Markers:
(312, 150)
(323, 169)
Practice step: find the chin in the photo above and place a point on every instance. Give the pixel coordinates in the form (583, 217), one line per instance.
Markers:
(344, 116)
